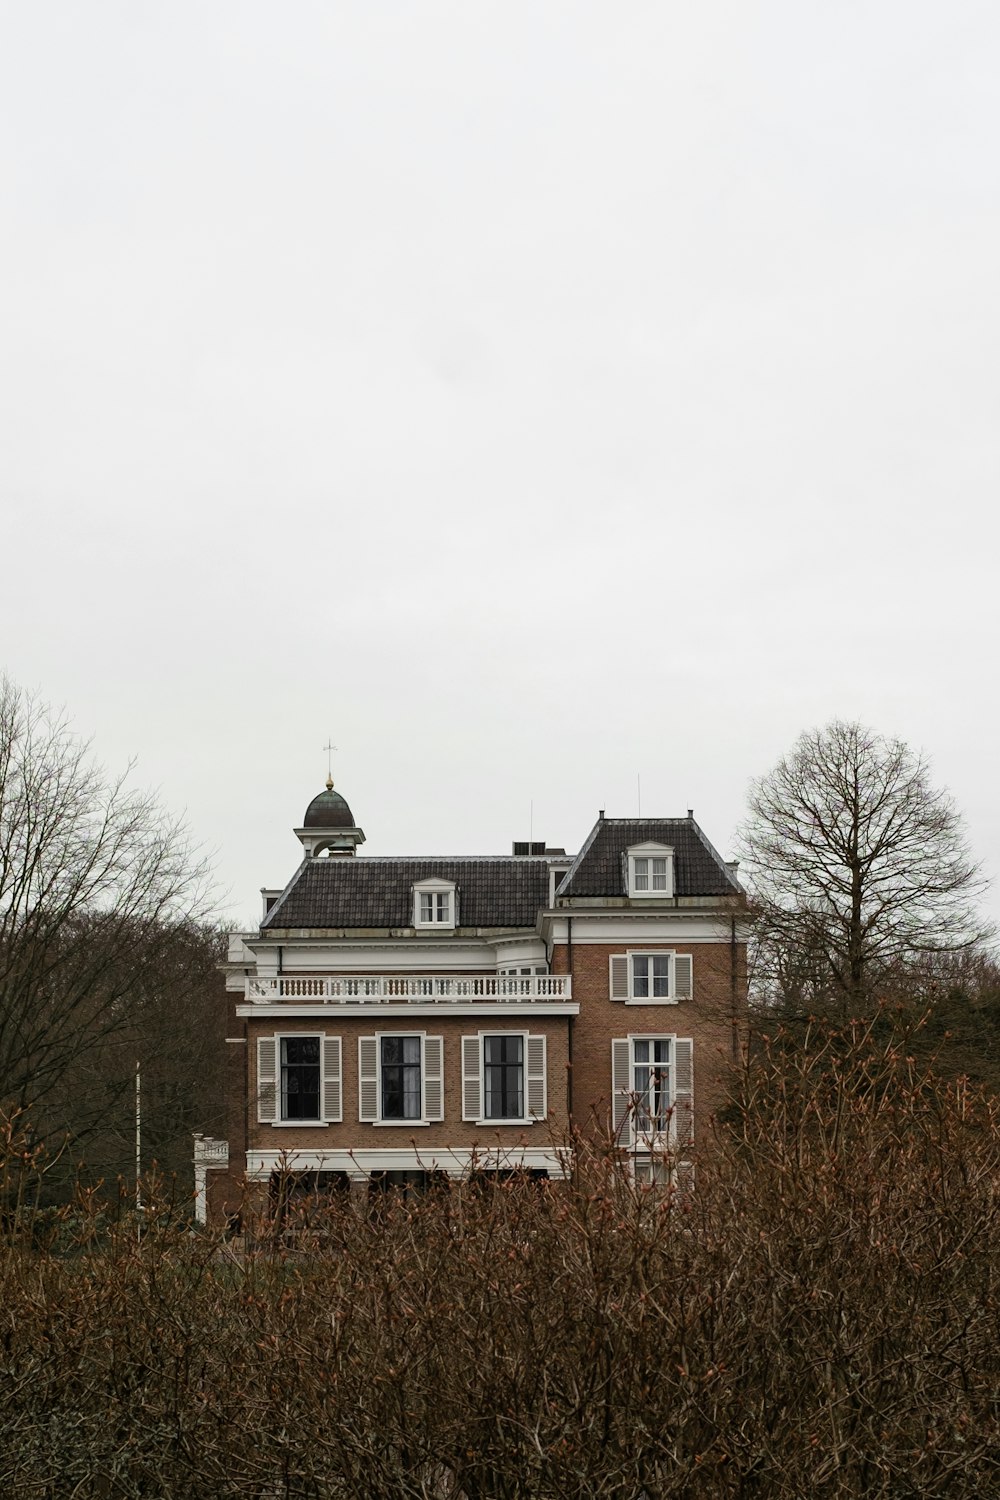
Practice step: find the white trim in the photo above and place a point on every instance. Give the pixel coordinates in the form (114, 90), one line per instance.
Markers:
(505, 1031)
(200, 1194)
(649, 852)
(435, 887)
(279, 1122)
(332, 988)
(456, 1161)
(422, 1037)
(290, 1010)
(502, 1124)
(641, 925)
(625, 1131)
(671, 997)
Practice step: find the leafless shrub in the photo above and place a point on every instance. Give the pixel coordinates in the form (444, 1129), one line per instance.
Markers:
(817, 1315)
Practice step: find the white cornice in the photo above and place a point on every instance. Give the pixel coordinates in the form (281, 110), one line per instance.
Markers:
(643, 926)
(289, 1010)
(456, 1161)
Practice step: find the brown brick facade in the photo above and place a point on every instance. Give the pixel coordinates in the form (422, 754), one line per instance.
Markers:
(707, 1018)
(353, 1134)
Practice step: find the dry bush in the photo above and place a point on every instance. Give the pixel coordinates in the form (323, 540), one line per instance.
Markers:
(818, 1316)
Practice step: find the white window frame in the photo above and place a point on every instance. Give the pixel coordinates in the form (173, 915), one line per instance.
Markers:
(655, 1140)
(646, 1143)
(639, 853)
(378, 1037)
(629, 995)
(527, 1077)
(280, 1121)
(436, 890)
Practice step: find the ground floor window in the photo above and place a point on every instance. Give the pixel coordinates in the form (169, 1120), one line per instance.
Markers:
(651, 1170)
(651, 1084)
(296, 1197)
(404, 1183)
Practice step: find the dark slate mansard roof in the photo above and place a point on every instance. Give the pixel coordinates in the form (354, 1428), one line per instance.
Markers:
(599, 868)
(351, 892)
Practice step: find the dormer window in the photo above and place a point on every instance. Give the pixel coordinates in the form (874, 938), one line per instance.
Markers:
(651, 871)
(435, 904)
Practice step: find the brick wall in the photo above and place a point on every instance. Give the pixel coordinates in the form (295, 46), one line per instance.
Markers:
(352, 1134)
(707, 1018)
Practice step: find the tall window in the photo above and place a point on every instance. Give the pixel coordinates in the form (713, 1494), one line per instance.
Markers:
(650, 976)
(503, 1077)
(400, 1081)
(651, 1084)
(300, 1077)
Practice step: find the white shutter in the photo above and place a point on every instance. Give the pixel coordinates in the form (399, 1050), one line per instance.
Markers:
(332, 1092)
(536, 1077)
(472, 1079)
(433, 1077)
(682, 976)
(619, 976)
(683, 1091)
(267, 1078)
(367, 1077)
(621, 1088)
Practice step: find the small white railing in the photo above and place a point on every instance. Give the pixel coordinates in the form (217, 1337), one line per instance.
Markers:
(383, 989)
(210, 1153)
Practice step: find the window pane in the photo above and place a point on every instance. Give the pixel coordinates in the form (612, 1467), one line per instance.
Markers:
(426, 908)
(300, 1078)
(659, 874)
(651, 1083)
(503, 1075)
(640, 976)
(661, 975)
(642, 874)
(401, 1097)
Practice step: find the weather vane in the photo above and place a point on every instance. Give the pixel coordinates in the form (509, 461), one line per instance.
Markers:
(329, 748)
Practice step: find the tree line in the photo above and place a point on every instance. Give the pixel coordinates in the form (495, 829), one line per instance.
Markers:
(108, 958)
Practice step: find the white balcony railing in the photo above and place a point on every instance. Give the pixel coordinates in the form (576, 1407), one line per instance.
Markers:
(209, 1152)
(386, 989)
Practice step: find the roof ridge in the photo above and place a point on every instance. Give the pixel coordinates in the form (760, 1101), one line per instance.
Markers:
(511, 859)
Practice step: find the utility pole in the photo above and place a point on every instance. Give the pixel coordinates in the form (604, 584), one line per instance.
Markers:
(138, 1139)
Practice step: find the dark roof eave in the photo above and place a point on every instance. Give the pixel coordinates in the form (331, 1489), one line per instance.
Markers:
(419, 935)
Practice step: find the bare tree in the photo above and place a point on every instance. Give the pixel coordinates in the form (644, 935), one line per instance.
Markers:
(858, 866)
(94, 879)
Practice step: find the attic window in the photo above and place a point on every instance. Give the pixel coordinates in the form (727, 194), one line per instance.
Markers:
(651, 872)
(435, 904)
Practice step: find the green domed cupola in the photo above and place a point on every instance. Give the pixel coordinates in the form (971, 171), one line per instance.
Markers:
(328, 826)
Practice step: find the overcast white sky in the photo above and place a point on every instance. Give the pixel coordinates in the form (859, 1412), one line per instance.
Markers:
(529, 396)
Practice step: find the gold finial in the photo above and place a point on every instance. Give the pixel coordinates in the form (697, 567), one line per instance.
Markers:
(329, 782)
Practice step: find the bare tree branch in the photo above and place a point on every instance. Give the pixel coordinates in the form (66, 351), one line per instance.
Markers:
(94, 878)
